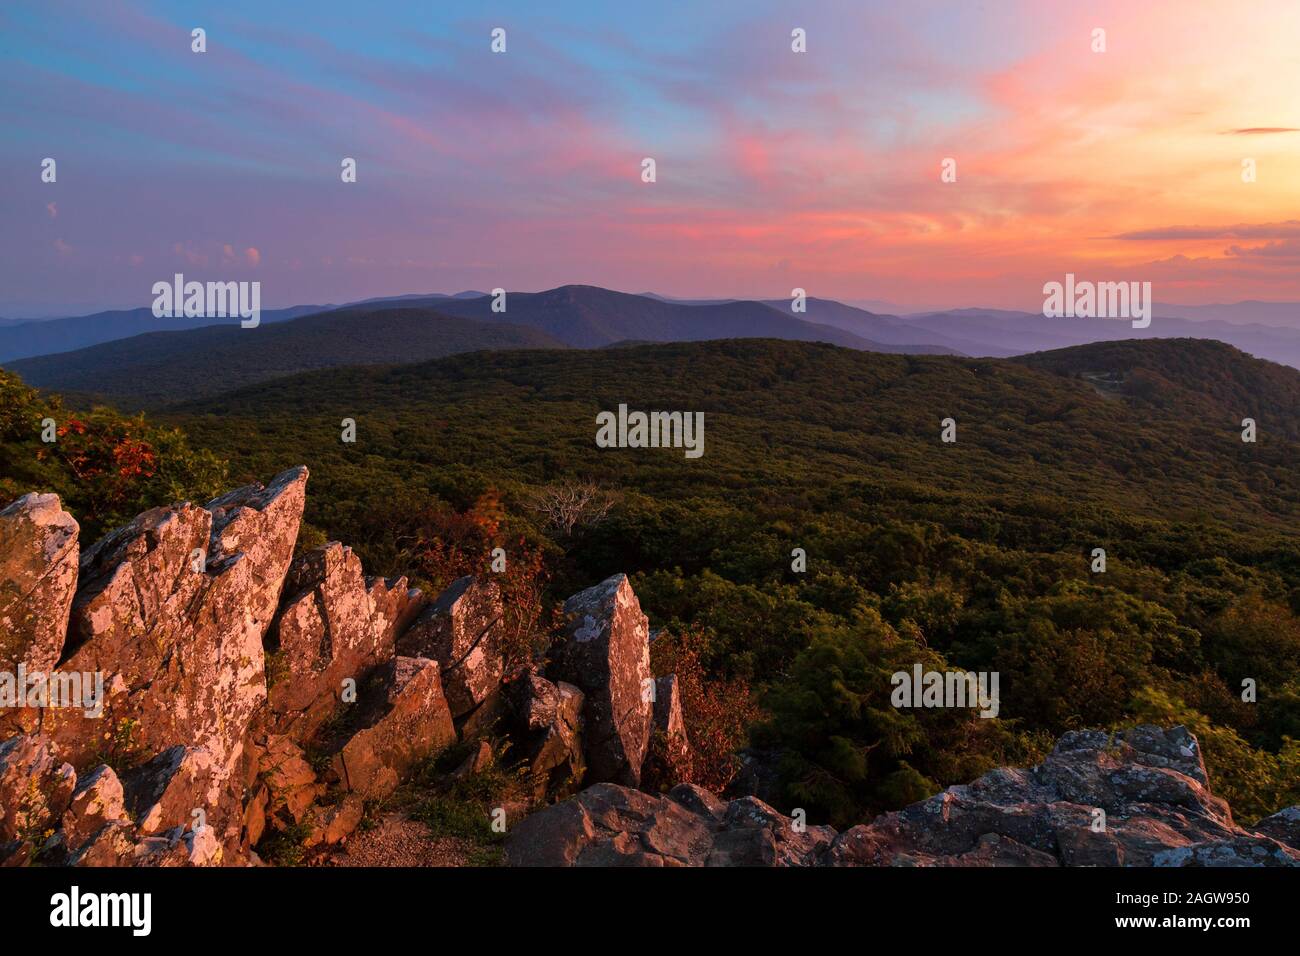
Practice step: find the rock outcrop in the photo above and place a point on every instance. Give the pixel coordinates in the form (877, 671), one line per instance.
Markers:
(609, 825)
(549, 724)
(1136, 798)
(332, 627)
(38, 576)
(460, 632)
(404, 720)
(197, 748)
(171, 610)
(248, 696)
(669, 756)
(605, 652)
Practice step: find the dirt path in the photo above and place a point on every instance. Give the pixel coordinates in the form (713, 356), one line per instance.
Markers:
(400, 841)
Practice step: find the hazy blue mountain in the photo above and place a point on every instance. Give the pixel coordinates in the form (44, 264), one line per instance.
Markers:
(1250, 312)
(589, 317)
(161, 367)
(47, 336)
(1004, 333)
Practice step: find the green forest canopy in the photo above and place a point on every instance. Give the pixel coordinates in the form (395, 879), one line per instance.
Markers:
(974, 554)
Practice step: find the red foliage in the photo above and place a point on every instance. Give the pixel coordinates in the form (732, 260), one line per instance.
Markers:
(717, 712)
(108, 457)
(451, 544)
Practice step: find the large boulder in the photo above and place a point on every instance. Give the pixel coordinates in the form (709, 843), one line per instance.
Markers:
(1138, 797)
(605, 652)
(1149, 783)
(401, 720)
(38, 576)
(460, 631)
(609, 825)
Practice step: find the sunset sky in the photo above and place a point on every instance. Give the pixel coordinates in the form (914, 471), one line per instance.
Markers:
(775, 169)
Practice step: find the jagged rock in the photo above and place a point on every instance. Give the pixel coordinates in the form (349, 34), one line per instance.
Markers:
(112, 845)
(668, 713)
(609, 825)
(758, 775)
(97, 800)
(549, 723)
(404, 722)
(1150, 782)
(333, 824)
(1242, 850)
(172, 610)
(557, 761)
(328, 630)
(460, 631)
(395, 606)
(753, 834)
(35, 788)
(1284, 827)
(605, 652)
(256, 804)
(38, 576)
(668, 759)
(290, 782)
(164, 792)
(179, 847)
(534, 699)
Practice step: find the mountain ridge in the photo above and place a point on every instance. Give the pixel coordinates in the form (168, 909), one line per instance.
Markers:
(158, 367)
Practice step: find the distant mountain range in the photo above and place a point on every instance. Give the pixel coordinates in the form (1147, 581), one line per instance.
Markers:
(136, 359)
(589, 317)
(47, 336)
(1001, 333)
(161, 367)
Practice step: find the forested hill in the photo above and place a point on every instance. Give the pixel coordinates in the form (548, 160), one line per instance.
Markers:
(976, 554)
(1186, 378)
(796, 419)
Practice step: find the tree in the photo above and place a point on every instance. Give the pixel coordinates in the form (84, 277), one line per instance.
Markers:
(571, 504)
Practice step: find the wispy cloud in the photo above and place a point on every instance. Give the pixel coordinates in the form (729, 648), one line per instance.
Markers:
(775, 169)
(1263, 230)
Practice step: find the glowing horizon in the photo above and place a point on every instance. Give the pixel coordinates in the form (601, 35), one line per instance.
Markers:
(774, 169)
